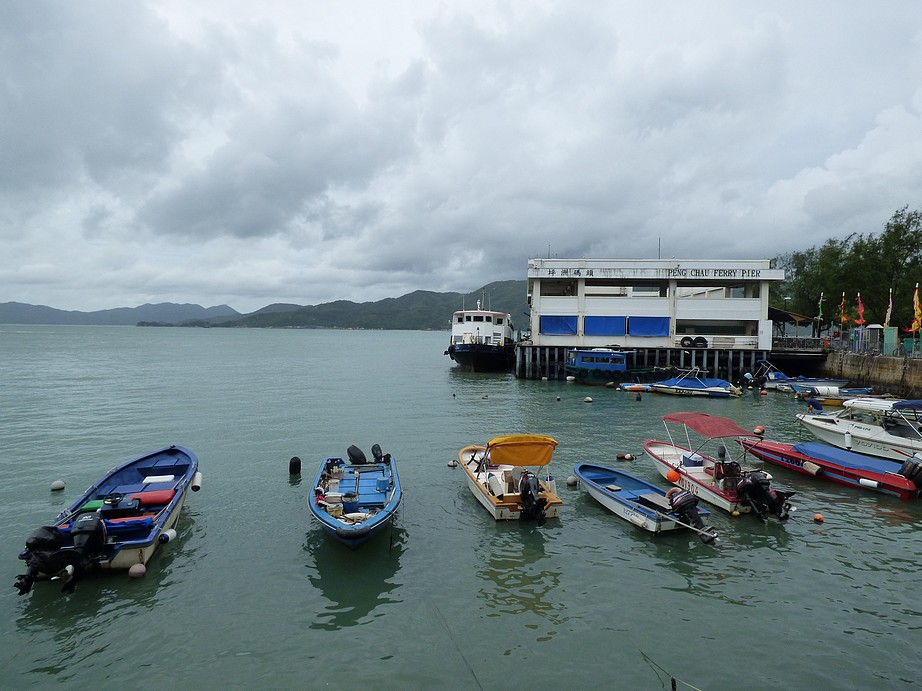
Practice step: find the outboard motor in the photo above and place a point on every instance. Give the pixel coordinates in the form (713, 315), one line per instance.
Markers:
(44, 553)
(529, 497)
(755, 488)
(685, 505)
(356, 455)
(912, 470)
(376, 453)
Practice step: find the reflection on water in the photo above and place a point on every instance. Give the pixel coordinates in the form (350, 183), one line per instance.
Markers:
(517, 578)
(357, 583)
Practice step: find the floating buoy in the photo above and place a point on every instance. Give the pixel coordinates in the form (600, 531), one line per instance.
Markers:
(588, 399)
(571, 378)
(625, 456)
(619, 456)
(638, 397)
(673, 476)
(558, 398)
(485, 397)
(571, 481)
(452, 463)
(196, 484)
(57, 485)
(137, 570)
(818, 518)
(543, 378)
(759, 430)
(735, 514)
(167, 536)
(294, 466)
(763, 392)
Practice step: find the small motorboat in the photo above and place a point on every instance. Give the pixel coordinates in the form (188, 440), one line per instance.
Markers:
(716, 478)
(875, 426)
(841, 466)
(117, 524)
(354, 501)
(499, 475)
(767, 376)
(643, 504)
(693, 383)
(832, 396)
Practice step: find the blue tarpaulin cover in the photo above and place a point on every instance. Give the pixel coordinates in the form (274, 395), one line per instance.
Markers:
(649, 326)
(558, 325)
(604, 326)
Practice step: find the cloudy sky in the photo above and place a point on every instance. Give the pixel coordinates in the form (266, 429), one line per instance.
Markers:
(300, 151)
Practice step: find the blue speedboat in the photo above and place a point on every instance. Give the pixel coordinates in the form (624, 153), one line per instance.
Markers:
(693, 383)
(354, 501)
(117, 524)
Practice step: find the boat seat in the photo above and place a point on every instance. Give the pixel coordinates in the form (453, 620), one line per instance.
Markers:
(613, 488)
(656, 501)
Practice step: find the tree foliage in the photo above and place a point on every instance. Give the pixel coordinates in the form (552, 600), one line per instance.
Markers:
(867, 264)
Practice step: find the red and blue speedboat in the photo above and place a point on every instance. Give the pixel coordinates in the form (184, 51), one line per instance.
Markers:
(841, 466)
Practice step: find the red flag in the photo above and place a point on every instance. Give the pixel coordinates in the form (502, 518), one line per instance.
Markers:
(860, 320)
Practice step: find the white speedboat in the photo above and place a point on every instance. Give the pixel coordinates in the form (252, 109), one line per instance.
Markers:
(873, 426)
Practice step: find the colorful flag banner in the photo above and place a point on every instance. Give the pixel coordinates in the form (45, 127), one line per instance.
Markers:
(860, 320)
(917, 309)
(819, 317)
(842, 318)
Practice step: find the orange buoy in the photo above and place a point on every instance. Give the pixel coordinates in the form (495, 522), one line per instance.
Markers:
(673, 476)
(763, 392)
(818, 518)
(759, 430)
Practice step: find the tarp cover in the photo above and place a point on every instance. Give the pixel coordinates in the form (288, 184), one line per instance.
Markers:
(649, 326)
(554, 325)
(709, 426)
(604, 326)
(847, 459)
(521, 449)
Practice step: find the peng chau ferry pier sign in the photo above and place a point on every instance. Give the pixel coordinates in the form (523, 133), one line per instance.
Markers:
(651, 307)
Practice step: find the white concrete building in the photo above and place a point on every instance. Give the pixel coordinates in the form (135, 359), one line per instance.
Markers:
(651, 303)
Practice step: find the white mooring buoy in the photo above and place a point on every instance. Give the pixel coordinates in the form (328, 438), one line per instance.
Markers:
(57, 485)
(137, 570)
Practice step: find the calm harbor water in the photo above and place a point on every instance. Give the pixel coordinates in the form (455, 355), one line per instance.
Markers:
(252, 595)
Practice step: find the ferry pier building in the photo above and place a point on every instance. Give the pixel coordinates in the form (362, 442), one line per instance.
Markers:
(709, 314)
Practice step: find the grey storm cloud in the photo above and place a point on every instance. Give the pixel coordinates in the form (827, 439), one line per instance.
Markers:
(298, 152)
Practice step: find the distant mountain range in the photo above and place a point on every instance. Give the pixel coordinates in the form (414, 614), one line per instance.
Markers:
(419, 310)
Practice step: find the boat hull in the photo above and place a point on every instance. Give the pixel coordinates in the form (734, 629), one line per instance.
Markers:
(479, 357)
(836, 465)
(355, 502)
(626, 496)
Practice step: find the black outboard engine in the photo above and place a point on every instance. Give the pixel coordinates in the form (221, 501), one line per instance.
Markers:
(685, 505)
(912, 470)
(44, 553)
(356, 455)
(755, 488)
(376, 453)
(529, 497)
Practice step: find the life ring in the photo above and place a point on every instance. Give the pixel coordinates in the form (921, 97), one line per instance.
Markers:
(687, 342)
(701, 342)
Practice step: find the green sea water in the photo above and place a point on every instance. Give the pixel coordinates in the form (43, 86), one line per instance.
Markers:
(253, 595)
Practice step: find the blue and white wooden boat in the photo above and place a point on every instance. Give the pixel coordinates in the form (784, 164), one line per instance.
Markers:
(354, 501)
(642, 503)
(693, 383)
(117, 524)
